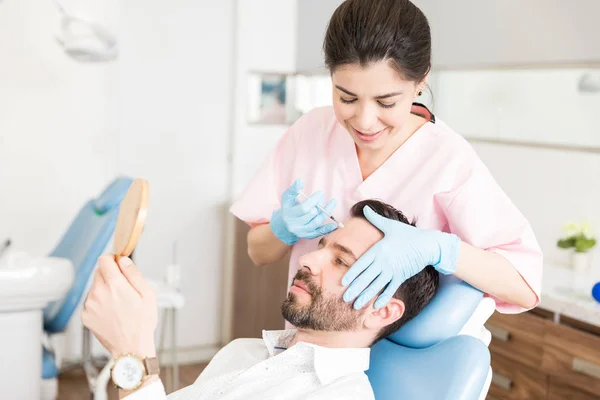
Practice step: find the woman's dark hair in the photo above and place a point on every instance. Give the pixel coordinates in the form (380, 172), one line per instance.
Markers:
(367, 31)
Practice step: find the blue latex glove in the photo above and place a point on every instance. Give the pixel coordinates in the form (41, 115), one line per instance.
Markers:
(403, 252)
(301, 220)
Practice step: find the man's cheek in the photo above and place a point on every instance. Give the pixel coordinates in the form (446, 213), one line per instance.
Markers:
(336, 290)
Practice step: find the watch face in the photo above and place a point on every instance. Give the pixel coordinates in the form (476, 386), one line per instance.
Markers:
(128, 372)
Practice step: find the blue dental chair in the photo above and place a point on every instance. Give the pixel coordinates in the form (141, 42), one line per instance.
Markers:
(433, 356)
(84, 242)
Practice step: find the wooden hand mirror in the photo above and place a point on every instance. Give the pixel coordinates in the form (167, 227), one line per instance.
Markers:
(131, 219)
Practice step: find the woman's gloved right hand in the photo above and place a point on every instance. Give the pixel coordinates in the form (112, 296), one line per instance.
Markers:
(301, 220)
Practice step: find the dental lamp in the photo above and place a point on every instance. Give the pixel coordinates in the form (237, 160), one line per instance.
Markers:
(85, 40)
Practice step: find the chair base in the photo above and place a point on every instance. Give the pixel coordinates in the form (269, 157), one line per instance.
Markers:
(49, 389)
(21, 365)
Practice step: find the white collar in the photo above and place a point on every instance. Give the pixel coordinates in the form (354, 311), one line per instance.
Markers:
(329, 363)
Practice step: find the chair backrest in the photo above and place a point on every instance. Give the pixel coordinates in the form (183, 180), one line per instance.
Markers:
(426, 359)
(85, 241)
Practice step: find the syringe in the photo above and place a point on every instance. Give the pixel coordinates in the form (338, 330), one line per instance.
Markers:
(301, 193)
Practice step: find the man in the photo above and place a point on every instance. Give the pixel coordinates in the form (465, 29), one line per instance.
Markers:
(323, 358)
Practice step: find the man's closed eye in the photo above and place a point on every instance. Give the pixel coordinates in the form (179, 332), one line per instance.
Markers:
(341, 262)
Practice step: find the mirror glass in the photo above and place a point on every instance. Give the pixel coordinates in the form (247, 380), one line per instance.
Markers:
(549, 107)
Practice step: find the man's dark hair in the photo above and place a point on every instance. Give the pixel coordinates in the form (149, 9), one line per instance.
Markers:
(417, 291)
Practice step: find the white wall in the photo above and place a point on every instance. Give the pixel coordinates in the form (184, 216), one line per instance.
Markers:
(57, 132)
(174, 113)
(265, 43)
(162, 112)
(313, 17)
(56, 148)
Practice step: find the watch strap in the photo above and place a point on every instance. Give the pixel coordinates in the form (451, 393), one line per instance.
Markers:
(152, 366)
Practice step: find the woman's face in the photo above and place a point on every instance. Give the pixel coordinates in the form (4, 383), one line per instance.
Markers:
(373, 103)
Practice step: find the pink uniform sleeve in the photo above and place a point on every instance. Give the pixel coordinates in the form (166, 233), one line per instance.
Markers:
(481, 214)
(263, 193)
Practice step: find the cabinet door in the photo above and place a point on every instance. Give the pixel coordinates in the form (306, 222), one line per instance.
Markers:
(475, 33)
(559, 391)
(518, 337)
(511, 380)
(572, 357)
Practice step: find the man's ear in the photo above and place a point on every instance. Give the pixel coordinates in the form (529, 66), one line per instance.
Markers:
(386, 315)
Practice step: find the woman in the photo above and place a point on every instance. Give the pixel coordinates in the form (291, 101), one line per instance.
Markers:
(375, 142)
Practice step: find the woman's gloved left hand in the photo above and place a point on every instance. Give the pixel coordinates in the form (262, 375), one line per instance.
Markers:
(402, 253)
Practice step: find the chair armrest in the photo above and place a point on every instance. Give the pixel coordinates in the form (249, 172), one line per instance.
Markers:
(475, 325)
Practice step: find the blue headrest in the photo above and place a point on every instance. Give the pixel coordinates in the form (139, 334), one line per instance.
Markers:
(446, 314)
(112, 195)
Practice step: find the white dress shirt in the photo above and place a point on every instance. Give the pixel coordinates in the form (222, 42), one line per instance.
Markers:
(263, 369)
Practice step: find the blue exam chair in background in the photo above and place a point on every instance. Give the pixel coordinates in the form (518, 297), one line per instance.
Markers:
(442, 353)
(84, 242)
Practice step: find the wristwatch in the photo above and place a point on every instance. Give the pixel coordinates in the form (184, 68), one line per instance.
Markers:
(129, 371)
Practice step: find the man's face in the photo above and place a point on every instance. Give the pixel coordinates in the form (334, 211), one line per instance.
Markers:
(315, 298)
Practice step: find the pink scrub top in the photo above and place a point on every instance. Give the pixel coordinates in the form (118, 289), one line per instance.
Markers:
(435, 177)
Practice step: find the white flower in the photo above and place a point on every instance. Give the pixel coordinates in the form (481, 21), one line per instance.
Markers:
(571, 229)
(587, 229)
(578, 228)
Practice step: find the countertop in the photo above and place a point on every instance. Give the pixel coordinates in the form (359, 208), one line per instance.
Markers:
(559, 296)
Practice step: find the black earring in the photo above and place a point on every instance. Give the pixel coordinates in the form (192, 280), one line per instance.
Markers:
(420, 93)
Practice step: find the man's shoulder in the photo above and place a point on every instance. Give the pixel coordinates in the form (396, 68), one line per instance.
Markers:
(238, 353)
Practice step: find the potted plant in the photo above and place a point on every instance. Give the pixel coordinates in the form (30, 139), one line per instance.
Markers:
(580, 238)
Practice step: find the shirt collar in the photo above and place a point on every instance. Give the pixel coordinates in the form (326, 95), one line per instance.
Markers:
(329, 363)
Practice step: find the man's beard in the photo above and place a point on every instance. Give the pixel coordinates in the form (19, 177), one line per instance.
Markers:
(323, 313)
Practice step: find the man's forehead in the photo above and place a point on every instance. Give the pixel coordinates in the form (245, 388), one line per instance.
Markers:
(358, 234)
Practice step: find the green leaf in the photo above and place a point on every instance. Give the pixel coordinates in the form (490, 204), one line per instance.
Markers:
(584, 244)
(566, 243)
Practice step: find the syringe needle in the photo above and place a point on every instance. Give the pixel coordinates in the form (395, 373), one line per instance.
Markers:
(301, 193)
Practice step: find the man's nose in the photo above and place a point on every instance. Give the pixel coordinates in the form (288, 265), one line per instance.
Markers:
(312, 262)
